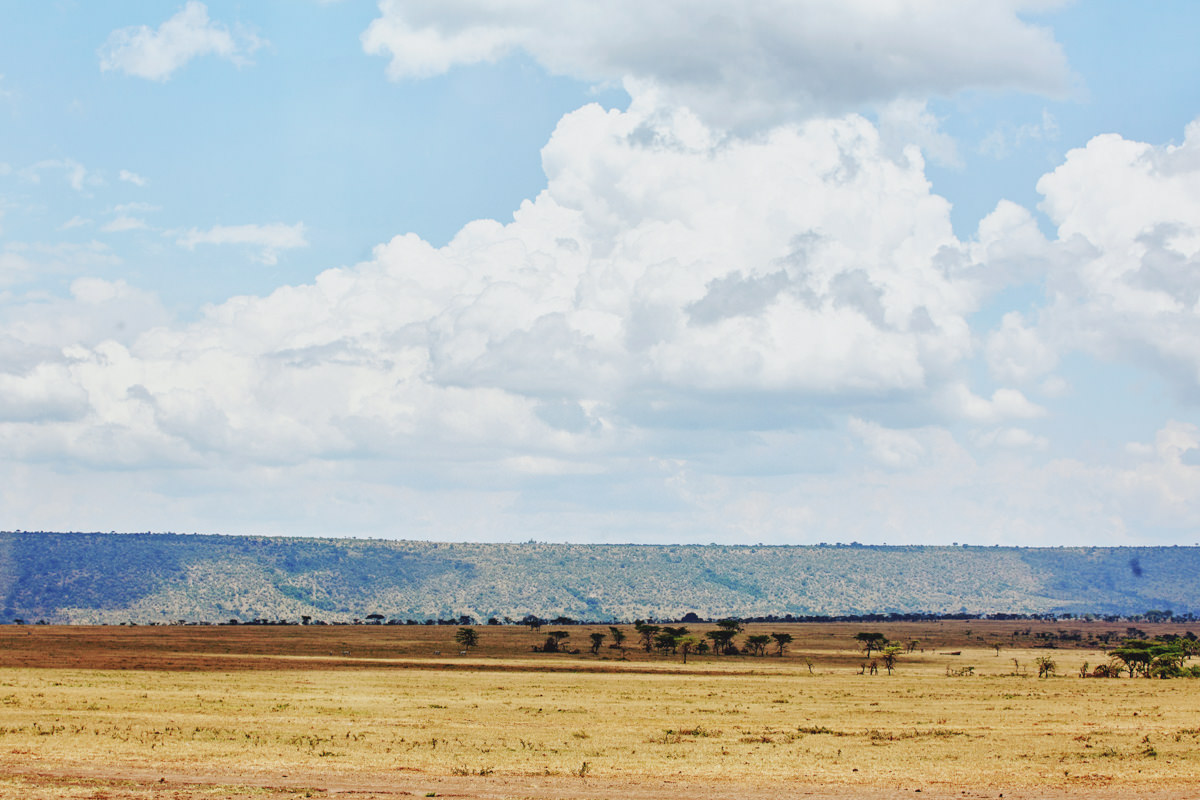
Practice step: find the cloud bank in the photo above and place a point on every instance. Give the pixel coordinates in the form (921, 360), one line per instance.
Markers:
(766, 336)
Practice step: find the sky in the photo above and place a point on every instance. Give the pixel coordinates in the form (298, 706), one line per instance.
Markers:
(677, 272)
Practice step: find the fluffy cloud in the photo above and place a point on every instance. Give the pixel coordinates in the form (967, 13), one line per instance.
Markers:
(156, 54)
(662, 273)
(1124, 282)
(741, 65)
(268, 239)
(680, 322)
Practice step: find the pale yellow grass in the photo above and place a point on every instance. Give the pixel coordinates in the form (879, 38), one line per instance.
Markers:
(753, 721)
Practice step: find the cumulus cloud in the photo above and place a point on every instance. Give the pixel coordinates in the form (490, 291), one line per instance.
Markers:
(268, 239)
(742, 66)
(1125, 282)
(1017, 351)
(663, 273)
(95, 311)
(680, 321)
(155, 54)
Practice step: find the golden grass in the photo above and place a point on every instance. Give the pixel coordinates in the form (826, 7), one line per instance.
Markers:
(751, 721)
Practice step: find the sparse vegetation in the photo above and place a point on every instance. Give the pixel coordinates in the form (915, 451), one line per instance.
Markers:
(354, 701)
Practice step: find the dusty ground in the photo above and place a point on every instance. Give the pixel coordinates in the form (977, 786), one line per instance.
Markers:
(32, 783)
(364, 712)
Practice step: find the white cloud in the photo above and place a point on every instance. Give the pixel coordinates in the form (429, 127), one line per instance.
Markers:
(132, 177)
(660, 274)
(770, 329)
(126, 218)
(891, 448)
(77, 175)
(156, 54)
(737, 65)
(907, 123)
(96, 311)
(269, 238)
(957, 400)
(1017, 352)
(75, 222)
(47, 393)
(124, 223)
(1125, 282)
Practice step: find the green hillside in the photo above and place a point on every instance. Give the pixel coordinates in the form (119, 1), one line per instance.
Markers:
(95, 577)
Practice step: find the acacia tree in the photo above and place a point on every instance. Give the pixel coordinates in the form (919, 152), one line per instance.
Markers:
(889, 654)
(758, 643)
(688, 644)
(467, 637)
(1160, 658)
(666, 641)
(782, 640)
(618, 637)
(871, 641)
(554, 641)
(597, 639)
(646, 632)
(722, 641)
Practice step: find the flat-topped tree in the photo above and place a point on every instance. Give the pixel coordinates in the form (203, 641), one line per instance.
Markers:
(646, 632)
(871, 641)
(758, 643)
(722, 641)
(467, 637)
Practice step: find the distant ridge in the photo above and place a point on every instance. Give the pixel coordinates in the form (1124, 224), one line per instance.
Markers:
(160, 577)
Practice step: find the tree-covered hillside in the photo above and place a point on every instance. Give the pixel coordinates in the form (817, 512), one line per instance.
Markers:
(94, 577)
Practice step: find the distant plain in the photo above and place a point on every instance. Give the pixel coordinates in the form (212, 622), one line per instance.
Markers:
(394, 711)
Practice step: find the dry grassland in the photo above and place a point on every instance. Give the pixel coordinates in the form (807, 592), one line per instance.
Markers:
(99, 712)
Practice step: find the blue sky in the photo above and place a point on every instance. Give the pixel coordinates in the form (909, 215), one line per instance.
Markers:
(583, 272)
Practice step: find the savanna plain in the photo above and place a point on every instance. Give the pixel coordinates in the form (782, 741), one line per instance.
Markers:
(363, 711)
